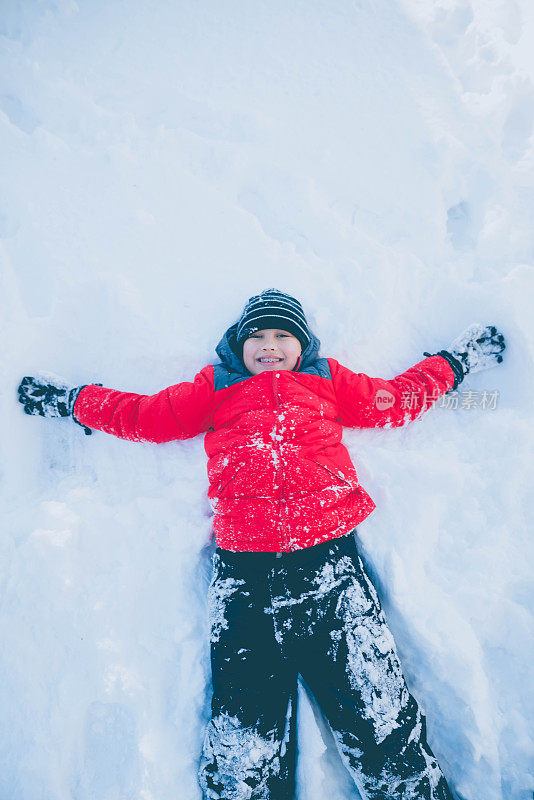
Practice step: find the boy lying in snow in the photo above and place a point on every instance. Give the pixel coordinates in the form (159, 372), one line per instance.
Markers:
(289, 593)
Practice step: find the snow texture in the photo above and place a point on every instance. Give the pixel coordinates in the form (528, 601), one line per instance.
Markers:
(161, 164)
(218, 593)
(244, 759)
(379, 679)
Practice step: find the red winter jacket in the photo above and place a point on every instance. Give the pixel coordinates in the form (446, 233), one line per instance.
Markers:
(280, 479)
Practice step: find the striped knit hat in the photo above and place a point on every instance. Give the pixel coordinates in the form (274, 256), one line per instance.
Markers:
(273, 309)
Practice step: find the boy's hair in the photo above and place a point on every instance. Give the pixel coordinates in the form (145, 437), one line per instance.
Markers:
(273, 309)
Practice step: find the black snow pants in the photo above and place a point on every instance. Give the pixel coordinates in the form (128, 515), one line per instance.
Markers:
(313, 612)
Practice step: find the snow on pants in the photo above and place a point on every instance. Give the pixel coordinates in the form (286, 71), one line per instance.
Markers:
(313, 612)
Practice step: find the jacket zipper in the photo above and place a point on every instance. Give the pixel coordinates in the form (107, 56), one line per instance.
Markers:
(278, 450)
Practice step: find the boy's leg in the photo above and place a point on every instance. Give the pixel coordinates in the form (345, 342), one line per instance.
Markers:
(249, 748)
(351, 665)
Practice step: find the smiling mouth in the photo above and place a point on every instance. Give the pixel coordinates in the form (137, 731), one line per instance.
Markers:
(268, 360)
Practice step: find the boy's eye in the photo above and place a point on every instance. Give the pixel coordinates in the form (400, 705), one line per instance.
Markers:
(259, 335)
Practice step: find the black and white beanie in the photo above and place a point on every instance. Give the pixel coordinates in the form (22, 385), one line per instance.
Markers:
(273, 309)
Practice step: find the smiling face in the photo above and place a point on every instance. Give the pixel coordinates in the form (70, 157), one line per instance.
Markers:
(271, 349)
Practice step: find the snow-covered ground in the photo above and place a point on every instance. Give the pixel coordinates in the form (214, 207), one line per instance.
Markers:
(161, 162)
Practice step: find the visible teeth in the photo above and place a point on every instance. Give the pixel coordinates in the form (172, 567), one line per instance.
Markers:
(269, 360)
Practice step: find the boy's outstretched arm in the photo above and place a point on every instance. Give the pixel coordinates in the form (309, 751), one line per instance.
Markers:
(178, 412)
(366, 402)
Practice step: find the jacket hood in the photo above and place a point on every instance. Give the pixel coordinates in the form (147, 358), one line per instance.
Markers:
(226, 350)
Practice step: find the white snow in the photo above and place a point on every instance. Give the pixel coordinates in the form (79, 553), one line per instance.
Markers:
(162, 162)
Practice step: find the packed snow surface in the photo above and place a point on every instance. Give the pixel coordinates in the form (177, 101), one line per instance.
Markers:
(161, 163)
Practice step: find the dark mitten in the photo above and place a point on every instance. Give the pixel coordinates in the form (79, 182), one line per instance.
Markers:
(49, 398)
(477, 348)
